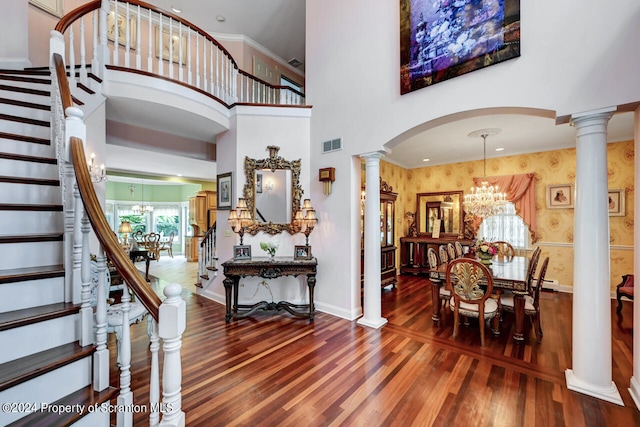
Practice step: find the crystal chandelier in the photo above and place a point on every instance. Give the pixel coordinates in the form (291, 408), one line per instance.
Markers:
(486, 200)
(140, 209)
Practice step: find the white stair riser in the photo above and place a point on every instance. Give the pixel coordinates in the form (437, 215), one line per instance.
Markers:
(95, 418)
(20, 111)
(25, 129)
(31, 293)
(17, 168)
(30, 193)
(27, 148)
(21, 96)
(47, 388)
(25, 222)
(37, 337)
(22, 255)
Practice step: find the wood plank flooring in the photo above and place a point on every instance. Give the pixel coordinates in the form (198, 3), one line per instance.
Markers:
(274, 369)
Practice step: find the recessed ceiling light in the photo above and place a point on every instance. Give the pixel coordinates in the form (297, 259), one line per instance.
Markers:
(426, 160)
(220, 18)
(179, 174)
(176, 9)
(499, 149)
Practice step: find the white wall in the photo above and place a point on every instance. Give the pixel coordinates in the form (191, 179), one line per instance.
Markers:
(575, 56)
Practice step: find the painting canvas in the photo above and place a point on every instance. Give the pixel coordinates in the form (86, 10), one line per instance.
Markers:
(443, 39)
(176, 40)
(560, 196)
(224, 191)
(122, 29)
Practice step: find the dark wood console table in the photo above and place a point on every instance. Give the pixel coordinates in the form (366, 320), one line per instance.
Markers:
(267, 269)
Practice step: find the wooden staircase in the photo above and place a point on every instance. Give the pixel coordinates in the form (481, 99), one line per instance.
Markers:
(41, 362)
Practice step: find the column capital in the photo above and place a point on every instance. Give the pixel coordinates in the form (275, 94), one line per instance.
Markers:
(374, 154)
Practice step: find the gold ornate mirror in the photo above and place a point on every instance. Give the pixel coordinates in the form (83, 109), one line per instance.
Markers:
(273, 193)
(444, 208)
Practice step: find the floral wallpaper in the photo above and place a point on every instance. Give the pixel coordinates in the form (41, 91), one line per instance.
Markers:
(555, 226)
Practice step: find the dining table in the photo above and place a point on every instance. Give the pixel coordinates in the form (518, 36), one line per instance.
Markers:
(508, 273)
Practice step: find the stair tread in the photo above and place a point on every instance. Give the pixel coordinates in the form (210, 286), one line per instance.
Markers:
(32, 238)
(28, 158)
(31, 273)
(17, 318)
(30, 207)
(20, 370)
(26, 180)
(24, 138)
(84, 398)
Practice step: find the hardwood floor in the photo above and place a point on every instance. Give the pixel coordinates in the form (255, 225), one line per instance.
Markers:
(274, 369)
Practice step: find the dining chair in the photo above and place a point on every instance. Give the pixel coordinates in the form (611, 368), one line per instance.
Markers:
(624, 289)
(531, 303)
(451, 251)
(167, 245)
(505, 249)
(152, 244)
(471, 284)
(533, 265)
(459, 249)
(444, 293)
(444, 255)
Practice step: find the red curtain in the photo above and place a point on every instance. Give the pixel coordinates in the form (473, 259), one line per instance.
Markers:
(520, 192)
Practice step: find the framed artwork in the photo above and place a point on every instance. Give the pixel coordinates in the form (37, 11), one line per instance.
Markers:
(241, 252)
(616, 202)
(443, 39)
(224, 191)
(175, 46)
(258, 183)
(54, 7)
(560, 196)
(122, 29)
(302, 252)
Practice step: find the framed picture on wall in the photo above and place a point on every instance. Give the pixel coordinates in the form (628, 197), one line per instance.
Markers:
(178, 56)
(54, 7)
(616, 202)
(560, 196)
(224, 191)
(122, 29)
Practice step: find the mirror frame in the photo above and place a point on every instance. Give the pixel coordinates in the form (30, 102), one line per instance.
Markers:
(461, 228)
(273, 163)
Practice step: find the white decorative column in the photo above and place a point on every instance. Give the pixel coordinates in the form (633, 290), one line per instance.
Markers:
(372, 284)
(591, 343)
(634, 388)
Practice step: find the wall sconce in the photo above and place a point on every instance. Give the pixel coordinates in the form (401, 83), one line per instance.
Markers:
(240, 218)
(327, 176)
(124, 229)
(97, 174)
(269, 185)
(306, 219)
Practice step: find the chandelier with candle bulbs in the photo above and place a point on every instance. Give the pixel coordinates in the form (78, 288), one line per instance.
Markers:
(486, 200)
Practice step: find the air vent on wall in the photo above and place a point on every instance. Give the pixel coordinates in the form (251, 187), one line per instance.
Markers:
(333, 145)
(294, 62)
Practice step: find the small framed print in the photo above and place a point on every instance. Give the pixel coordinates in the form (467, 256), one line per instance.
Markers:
(560, 196)
(241, 252)
(302, 252)
(178, 56)
(616, 202)
(224, 191)
(54, 7)
(122, 29)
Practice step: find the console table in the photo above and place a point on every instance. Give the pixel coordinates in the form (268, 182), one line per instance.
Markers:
(267, 269)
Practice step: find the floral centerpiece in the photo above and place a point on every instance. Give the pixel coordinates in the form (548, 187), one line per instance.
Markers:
(269, 247)
(485, 250)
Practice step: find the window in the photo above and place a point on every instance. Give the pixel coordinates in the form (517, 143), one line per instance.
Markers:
(506, 226)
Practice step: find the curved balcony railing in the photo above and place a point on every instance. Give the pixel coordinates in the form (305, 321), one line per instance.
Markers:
(160, 43)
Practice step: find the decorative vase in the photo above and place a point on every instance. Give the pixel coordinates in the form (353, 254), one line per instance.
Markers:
(485, 257)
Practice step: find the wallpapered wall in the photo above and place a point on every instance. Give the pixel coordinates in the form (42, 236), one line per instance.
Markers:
(555, 226)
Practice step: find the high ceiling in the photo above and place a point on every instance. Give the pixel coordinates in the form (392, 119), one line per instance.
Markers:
(279, 26)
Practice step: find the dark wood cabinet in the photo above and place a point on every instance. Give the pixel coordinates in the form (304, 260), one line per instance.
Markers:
(413, 252)
(388, 250)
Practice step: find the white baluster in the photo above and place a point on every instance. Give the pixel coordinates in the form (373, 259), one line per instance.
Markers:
(73, 221)
(154, 381)
(197, 61)
(72, 59)
(125, 398)
(127, 37)
(172, 325)
(170, 48)
(116, 35)
(180, 53)
(160, 47)
(83, 54)
(217, 86)
(205, 42)
(138, 41)
(86, 313)
(101, 355)
(94, 59)
(189, 71)
(211, 76)
(150, 45)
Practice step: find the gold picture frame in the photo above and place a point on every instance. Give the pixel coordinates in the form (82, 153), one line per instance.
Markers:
(122, 29)
(560, 196)
(616, 202)
(175, 46)
(54, 7)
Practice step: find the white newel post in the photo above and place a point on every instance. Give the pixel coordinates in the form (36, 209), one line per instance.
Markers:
(125, 398)
(591, 371)
(173, 320)
(634, 388)
(86, 311)
(372, 282)
(154, 380)
(101, 355)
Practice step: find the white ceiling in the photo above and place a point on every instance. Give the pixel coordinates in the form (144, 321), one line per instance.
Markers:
(279, 26)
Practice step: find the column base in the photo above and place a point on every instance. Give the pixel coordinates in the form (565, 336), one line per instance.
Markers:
(609, 394)
(372, 323)
(634, 390)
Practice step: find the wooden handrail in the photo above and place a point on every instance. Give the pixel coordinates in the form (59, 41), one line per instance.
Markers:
(70, 17)
(106, 236)
(63, 83)
(208, 234)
